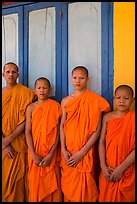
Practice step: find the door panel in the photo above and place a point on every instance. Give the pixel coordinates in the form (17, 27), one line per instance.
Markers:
(84, 41)
(51, 38)
(42, 23)
(42, 46)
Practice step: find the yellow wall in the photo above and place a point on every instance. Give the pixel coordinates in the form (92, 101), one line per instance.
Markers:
(124, 44)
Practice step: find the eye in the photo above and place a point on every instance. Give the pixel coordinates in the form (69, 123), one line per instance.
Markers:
(117, 97)
(126, 98)
(14, 72)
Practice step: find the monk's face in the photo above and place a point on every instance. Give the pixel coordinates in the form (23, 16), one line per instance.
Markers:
(79, 79)
(10, 74)
(42, 89)
(123, 99)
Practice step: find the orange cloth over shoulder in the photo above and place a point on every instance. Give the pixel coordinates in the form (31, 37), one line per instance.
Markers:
(44, 181)
(120, 141)
(14, 103)
(83, 113)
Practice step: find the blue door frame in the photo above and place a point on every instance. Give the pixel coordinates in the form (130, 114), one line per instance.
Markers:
(23, 8)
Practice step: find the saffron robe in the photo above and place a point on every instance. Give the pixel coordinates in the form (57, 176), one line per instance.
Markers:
(44, 182)
(14, 171)
(83, 112)
(120, 141)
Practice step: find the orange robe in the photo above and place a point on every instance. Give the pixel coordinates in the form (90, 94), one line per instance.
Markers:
(78, 183)
(14, 103)
(120, 141)
(44, 182)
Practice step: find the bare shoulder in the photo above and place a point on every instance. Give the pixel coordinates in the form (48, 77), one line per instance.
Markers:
(31, 107)
(108, 116)
(66, 100)
(4, 89)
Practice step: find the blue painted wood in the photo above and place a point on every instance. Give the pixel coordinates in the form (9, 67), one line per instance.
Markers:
(107, 51)
(62, 45)
(64, 50)
(111, 54)
(58, 95)
(19, 11)
(11, 5)
(25, 48)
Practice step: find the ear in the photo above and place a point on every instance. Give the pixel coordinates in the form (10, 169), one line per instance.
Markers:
(88, 79)
(133, 99)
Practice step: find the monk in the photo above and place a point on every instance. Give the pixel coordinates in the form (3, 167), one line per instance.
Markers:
(15, 99)
(79, 130)
(42, 135)
(117, 150)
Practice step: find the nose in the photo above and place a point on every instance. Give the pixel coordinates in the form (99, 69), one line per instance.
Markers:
(11, 73)
(77, 80)
(41, 89)
(121, 100)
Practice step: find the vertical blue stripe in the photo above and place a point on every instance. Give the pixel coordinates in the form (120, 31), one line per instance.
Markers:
(64, 49)
(107, 51)
(58, 54)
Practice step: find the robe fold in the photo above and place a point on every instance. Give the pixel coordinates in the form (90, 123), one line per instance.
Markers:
(44, 182)
(120, 141)
(14, 171)
(83, 112)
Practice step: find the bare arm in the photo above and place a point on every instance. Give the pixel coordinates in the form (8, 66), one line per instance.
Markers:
(7, 140)
(102, 149)
(119, 170)
(102, 143)
(28, 133)
(78, 156)
(64, 150)
(130, 159)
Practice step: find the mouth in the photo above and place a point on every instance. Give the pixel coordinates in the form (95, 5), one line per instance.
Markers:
(11, 78)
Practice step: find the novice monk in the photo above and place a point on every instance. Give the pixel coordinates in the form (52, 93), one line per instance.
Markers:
(117, 150)
(15, 99)
(79, 130)
(42, 134)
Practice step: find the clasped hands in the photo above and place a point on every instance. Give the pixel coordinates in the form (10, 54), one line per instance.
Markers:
(42, 162)
(112, 174)
(72, 160)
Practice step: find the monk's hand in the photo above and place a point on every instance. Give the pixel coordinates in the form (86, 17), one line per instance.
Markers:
(66, 155)
(5, 141)
(9, 152)
(117, 174)
(36, 159)
(46, 161)
(107, 171)
(75, 159)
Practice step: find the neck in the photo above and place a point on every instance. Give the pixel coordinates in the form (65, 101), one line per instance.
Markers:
(78, 92)
(120, 113)
(9, 86)
(42, 101)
